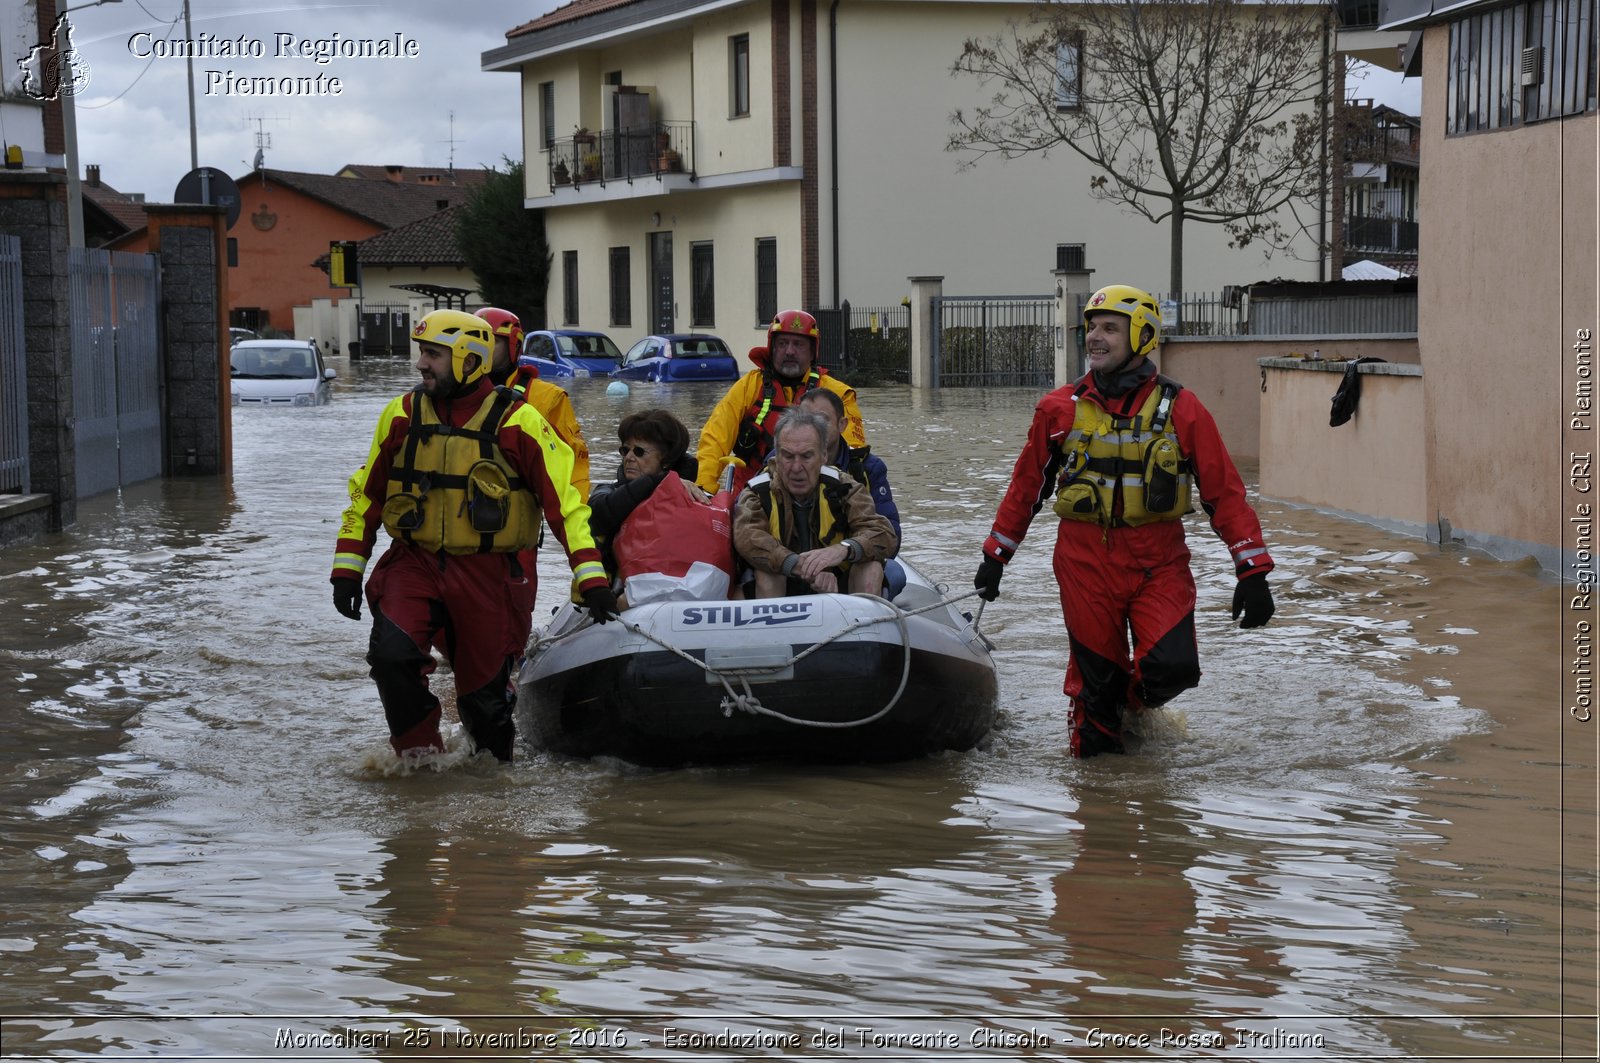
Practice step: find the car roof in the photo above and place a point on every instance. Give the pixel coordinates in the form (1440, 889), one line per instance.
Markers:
(275, 343)
(687, 336)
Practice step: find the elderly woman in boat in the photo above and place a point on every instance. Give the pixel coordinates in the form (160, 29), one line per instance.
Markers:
(805, 528)
(654, 542)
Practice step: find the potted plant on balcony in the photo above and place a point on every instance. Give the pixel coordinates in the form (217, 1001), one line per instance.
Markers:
(583, 137)
(562, 174)
(591, 165)
(669, 161)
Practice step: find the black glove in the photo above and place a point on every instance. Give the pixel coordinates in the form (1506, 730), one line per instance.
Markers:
(601, 603)
(347, 597)
(988, 578)
(1253, 597)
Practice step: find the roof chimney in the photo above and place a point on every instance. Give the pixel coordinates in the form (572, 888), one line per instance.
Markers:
(395, 173)
(92, 178)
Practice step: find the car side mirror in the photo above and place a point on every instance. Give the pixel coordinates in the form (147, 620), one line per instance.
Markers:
(329, 373)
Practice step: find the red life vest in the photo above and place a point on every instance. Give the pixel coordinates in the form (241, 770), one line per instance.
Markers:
(754, 441)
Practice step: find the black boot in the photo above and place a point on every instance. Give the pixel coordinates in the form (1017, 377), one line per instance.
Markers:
(487, 714)
(1096, 731)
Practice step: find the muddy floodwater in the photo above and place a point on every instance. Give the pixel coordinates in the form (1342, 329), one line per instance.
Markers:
(1369, 833)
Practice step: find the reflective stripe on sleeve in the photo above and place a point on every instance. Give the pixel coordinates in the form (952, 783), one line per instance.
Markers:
(350, 563)
(585, 571)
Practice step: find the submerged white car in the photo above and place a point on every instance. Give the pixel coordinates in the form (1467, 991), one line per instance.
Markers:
(280, 373)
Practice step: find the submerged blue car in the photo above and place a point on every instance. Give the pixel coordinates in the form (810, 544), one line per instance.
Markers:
(569, 353)
(678, 356)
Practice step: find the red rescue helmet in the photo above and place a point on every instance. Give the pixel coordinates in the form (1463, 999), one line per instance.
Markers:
(795, 322)
(506, 324)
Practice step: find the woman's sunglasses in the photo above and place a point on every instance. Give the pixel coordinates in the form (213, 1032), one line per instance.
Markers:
(637, 451)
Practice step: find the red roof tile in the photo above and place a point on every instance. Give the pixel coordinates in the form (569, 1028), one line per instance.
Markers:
(384, 203)
(430, 241)
(567, 13)
(432, 176)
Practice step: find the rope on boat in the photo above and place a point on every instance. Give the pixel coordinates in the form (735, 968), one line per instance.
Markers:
(747, 701)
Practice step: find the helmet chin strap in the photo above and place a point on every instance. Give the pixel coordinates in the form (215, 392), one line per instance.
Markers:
(457, 385)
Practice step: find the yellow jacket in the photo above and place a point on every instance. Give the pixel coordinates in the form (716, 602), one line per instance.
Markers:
(722, 428)
(555, 406)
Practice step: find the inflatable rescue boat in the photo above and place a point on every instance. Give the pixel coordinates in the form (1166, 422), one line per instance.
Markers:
(819, 678)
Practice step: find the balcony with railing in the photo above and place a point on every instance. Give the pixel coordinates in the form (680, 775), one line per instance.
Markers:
(1376, 234)
(661, 153)
(1380, 134)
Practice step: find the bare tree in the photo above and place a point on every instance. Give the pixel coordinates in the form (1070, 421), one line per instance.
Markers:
(1190, 112)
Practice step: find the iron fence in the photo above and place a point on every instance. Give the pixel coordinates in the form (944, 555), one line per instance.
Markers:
(385, 329)
(1203, 313)
(14, 469)
(994, 341)
(866, 344)
(1381, 234)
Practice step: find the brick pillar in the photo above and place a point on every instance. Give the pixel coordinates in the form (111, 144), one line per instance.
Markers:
(811, 274)
(33, 207)
(191, 242)
(782, 135)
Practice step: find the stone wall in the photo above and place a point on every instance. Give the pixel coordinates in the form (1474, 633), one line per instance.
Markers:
(189, 241)
(1369, 468)
(1225, 373)
(33, 207)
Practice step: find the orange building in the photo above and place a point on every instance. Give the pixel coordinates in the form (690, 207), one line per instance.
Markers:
(288, 219)
(286, 222)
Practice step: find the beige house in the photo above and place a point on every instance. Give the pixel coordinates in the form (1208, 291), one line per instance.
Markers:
(1508, 272)
(405, 272)
(790, 153)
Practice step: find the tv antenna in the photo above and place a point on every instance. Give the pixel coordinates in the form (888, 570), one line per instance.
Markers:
(263, 138)
(452, 143)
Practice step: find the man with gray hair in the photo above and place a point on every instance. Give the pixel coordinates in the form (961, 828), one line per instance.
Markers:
(804, 528)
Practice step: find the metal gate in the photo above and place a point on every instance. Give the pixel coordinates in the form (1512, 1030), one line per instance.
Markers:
(385, 329)
(116, 368)
(994, 341)
(866, 344)
(14, 475)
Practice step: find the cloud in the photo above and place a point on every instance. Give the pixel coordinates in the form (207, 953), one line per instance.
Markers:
(133, 117)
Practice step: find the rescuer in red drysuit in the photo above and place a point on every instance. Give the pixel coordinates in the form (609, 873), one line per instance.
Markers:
(1122, 450)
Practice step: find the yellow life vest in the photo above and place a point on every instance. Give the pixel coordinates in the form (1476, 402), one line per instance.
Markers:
(452, 489)
(1125, 470)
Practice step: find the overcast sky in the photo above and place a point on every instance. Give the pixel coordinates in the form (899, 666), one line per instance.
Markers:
(419, 110)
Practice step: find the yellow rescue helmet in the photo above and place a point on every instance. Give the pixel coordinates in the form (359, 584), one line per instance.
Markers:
(1138, 306)
(463, 334)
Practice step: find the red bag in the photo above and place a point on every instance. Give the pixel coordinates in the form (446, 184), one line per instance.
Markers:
(669, 531)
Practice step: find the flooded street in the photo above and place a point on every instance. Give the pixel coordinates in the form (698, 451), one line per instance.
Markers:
(1369, 832)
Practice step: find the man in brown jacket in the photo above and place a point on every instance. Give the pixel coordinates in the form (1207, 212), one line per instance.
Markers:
(805, 528)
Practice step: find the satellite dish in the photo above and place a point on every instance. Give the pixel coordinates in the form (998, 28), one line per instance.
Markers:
(206, 184)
